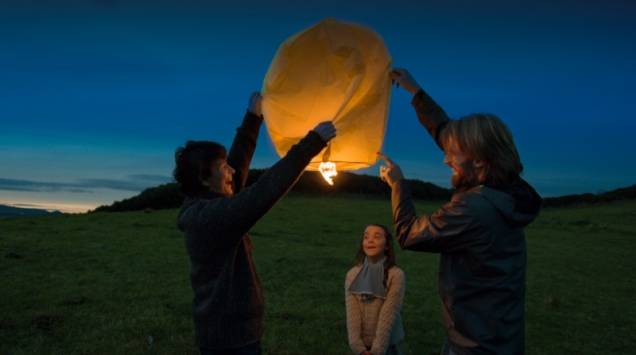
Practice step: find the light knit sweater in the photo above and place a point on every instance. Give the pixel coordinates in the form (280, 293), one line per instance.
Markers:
(370, 323)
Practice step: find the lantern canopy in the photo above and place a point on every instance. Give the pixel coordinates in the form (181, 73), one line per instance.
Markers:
(333, 71)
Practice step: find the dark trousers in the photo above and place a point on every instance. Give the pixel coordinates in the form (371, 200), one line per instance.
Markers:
(448, 349)
(251, 349)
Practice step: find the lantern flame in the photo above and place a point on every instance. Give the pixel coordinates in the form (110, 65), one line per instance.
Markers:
(328, 171)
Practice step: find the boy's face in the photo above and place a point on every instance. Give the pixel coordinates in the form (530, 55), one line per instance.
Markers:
(221, 179)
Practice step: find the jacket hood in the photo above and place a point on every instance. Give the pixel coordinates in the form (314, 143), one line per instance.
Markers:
(519, 203)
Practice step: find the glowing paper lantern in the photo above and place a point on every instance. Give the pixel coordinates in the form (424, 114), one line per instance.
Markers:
(334, 71)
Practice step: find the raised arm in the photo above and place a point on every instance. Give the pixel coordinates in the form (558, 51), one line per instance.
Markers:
(442, 231)
(429, 113)
(237, 214)
(244, 143)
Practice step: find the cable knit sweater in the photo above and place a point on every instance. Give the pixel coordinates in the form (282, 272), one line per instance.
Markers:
(370, 323)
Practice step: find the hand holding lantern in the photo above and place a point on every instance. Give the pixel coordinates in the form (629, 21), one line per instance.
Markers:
(402, 77)
(391, 173)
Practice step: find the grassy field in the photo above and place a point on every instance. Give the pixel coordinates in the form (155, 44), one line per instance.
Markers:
(117, 283)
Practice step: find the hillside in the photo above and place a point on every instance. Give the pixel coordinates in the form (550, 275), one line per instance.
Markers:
(310, 183)
(625, 193)
(10, 211)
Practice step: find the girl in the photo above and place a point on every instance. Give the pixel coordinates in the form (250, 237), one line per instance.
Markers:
(374, 290)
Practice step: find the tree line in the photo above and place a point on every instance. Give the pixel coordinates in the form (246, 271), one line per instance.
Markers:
(311, 183)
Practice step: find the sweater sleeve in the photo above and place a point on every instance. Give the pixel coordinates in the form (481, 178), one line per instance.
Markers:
(236, 215)
(389, 311)
(243, 147)
(430, 114)
(354, 318)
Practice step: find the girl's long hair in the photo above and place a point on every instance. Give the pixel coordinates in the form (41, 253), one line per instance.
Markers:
(389, 252)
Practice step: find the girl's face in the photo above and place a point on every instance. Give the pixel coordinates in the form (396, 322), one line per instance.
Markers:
(374, 242)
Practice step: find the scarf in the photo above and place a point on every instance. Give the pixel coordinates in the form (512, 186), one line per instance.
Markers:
(370, 279)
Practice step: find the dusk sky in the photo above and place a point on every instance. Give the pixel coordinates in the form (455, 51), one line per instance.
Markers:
(96, 95)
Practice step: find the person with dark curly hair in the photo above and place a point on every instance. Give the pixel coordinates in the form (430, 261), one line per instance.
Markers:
(215, 218)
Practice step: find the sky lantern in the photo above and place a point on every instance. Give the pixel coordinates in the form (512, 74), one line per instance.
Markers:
(334, 71)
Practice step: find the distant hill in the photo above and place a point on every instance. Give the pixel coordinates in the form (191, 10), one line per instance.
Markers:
(625, 193)
(10, 211)
(312, 183)
(156, 198)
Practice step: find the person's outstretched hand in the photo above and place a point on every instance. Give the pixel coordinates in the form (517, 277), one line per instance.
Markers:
(255, 104)
(391, 172)
(326, 130)
(402, 77)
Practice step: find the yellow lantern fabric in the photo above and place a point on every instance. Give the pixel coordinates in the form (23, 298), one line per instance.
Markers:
(334, 71)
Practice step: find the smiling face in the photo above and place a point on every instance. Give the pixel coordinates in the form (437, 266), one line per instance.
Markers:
(465, 171)
(374, 242)
(221, 178)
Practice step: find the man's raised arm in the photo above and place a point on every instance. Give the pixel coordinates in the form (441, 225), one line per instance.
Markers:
(429, 113)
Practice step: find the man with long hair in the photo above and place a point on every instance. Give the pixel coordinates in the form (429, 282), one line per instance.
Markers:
(479, 233)
(215, 217)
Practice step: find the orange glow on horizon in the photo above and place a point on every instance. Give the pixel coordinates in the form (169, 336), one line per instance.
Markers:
(50, 206)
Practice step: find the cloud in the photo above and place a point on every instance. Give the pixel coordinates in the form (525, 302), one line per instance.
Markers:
(136, 182)
(160, 179)
(28, 185)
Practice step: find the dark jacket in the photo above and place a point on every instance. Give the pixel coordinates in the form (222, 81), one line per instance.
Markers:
(228, 298)
(480, 237)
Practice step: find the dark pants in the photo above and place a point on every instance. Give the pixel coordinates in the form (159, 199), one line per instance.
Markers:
(448, 349)
(393, 350)
(251, 349)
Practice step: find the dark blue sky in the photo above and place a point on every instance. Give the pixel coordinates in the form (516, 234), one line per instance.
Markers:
(95, 96)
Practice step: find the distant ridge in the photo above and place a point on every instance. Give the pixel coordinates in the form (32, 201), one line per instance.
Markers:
(624, 193)
(311, 183)
(10, 211)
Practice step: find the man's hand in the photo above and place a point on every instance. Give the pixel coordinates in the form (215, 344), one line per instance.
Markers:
(402, 77)
(255, 106)
(326, 130)
(391, 173)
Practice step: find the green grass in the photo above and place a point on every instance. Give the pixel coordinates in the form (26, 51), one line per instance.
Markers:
(117, 283)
